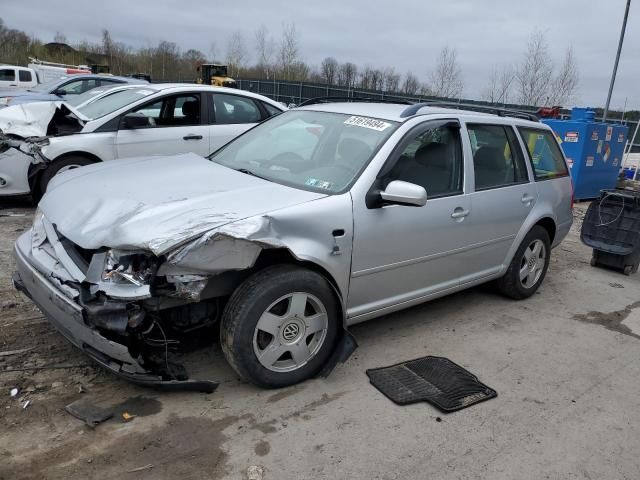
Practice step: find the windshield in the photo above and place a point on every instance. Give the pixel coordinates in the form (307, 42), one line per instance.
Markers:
(76, 100)
(315, 151)
(219, 71)
(48, 86)
(114, 101)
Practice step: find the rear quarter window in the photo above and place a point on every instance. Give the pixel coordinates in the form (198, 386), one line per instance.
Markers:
(545, 154)
(24, 75)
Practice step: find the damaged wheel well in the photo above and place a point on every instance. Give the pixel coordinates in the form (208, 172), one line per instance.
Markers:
(64, 160)
(278, 256)
(87, 155)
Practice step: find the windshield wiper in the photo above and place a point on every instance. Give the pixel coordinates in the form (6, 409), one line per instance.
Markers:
(249, 172)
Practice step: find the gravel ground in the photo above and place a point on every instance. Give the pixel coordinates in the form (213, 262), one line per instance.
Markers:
(564, 364)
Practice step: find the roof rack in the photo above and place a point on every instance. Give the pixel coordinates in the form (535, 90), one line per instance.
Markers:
(501, 112)
(316, 100)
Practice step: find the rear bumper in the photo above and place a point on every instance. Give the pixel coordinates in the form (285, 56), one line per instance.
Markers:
(68, 318)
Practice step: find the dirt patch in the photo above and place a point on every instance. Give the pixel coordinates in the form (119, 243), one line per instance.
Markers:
(262, 448)
(612, 320)
(285, 393)
(184, 447)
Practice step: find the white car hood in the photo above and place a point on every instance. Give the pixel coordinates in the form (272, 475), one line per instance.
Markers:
(157, 203)
(33, 119)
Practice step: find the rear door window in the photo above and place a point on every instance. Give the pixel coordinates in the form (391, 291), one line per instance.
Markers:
(174, 111)
(497, 158)
(227, 109)
(271, 110)
(7, 75)
(544, 153)
(24, 76)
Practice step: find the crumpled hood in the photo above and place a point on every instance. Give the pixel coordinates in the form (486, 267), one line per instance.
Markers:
(33, 119)
(157, 203)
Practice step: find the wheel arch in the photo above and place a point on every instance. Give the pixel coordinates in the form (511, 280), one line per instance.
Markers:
(545, 221)
(549, 225)
(37, 169)
(280, 256)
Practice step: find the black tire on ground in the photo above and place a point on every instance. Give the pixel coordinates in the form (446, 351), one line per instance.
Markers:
(510, 284)
(247, 304)
(57, 165)
(594, 262)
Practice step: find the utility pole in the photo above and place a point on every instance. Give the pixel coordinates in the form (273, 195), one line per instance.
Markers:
(615, 65)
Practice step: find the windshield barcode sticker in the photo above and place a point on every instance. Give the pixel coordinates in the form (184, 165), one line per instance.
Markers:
(365, 122)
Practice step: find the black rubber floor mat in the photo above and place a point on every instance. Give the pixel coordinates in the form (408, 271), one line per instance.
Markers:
(436, 380)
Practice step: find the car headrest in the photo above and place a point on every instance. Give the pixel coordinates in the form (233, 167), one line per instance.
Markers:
(489, 158)
(190, 108)
(434, 155)
(353, 150)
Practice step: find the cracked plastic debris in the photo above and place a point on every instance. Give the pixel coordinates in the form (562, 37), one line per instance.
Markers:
(188, 287)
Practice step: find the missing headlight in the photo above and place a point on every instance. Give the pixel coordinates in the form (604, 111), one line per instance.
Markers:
(127, 267)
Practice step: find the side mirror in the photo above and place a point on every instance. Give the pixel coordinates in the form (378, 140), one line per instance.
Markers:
(59, 92)
(135, 120)
(404, 193)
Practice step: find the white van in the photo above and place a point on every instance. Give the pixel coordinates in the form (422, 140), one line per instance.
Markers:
(17, 77)
(50, 71)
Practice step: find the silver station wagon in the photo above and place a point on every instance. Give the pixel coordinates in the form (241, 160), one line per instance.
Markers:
(316, 219)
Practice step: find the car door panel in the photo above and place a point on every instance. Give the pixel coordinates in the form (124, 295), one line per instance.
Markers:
(498, 209)
(165, 135)
(401, 253)
(229, 116)
(404, 253)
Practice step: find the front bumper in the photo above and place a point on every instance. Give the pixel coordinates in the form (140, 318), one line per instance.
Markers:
(14, 172)
(68, 318)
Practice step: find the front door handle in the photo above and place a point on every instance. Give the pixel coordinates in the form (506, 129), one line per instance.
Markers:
(459, 213)
(192, 137)
(527, 199)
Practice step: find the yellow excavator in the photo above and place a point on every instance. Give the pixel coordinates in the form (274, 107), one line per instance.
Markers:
(215, 74)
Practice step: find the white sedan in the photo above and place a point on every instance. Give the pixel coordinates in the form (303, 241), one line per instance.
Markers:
(153, 119)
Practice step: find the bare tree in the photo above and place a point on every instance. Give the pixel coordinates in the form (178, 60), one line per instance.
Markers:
(60, 37)
(446, 79)
(347, 75)
(535, 74)
(236, 53)
(390, 80)
(107, 45)
(329, 70)
(411, 84)
(289, 50)
(264, 51)
(565, 83)
(500, 83)
(213, 51)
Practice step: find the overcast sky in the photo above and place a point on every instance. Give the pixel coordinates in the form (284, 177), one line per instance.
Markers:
(405, 34)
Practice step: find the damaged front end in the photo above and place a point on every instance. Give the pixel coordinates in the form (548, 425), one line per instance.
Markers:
(24, 132)
(111, 304)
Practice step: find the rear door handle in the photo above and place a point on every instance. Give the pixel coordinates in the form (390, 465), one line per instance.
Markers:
(459, 213)
(192, 137)
(527, 199)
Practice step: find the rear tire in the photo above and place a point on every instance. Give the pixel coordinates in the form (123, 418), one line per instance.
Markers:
(279, 326)
(528, 266)
(63, 164)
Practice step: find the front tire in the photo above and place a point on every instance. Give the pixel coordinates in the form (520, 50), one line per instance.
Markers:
(279, 326)
(528, 266)
(62, 165)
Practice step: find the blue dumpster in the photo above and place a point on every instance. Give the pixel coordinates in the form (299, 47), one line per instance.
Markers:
(593, 149)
